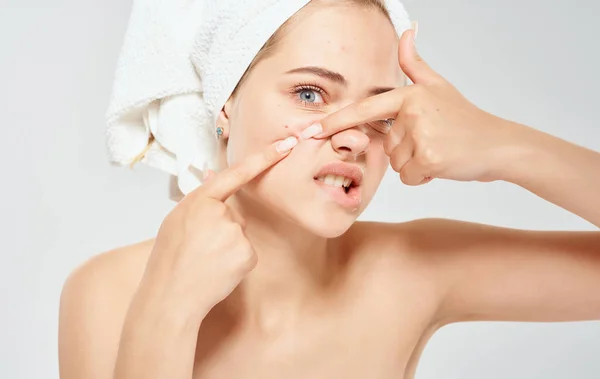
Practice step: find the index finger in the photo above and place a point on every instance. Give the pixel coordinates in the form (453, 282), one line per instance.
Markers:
(378, 107)
(230, 180)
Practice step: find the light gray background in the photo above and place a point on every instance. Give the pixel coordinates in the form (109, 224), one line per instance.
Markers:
(61, 202)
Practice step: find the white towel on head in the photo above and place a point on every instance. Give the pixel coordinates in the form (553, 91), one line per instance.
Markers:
(180, 62)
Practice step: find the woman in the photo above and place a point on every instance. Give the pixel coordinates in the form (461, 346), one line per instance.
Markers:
(264, 272)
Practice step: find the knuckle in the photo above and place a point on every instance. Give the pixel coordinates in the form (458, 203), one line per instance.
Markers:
(407, 178)
(216, 209)
(249, 254)
(403, 176)
(388, 149)
(246, 258)
(420, 133)
(232, 230)
(251, 262)
(395, 162)
(429, 157)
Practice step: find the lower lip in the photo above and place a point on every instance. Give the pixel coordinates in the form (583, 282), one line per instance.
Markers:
(351, 200)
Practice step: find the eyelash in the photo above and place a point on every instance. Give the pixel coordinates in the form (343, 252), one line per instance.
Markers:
(309, 87)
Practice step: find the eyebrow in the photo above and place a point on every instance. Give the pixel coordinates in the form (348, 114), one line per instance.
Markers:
(334, 77)
(322, 72)
(380, 90)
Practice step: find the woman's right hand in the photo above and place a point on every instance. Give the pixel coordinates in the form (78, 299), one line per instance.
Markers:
(201, 252)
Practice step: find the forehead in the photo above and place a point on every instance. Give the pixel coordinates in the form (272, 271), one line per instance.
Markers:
(357, 41)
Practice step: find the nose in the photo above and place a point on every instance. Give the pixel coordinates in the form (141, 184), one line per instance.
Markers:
(350, 142)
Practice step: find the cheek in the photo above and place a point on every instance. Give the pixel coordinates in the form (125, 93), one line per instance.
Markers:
(253, 125)
(260, 121)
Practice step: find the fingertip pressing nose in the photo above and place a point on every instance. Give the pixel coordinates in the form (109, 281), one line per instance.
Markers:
(311, 131)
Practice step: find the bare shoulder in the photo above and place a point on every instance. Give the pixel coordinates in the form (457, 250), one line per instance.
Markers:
(93, 305)
(405, 238)
(422, 236)
(116, 270)
(432, 244)
(396, 266)
(402, 251)
(411, 252)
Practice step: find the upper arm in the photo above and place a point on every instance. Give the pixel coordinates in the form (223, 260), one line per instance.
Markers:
(93, 305)
(502, 274)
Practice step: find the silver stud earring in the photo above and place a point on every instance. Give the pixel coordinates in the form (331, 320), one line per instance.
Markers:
(219, 132)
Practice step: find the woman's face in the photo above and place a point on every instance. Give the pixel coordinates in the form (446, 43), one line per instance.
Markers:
(329, 57)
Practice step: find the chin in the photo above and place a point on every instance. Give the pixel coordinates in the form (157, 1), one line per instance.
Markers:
(321, 221)
(327, 228)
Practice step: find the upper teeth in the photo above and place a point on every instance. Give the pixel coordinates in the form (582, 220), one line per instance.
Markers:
(334, 180)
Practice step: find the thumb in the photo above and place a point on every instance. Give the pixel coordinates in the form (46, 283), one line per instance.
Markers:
(411, 62)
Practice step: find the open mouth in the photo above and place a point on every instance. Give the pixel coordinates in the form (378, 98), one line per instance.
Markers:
(342, 183)
(346, 184)
(344, 191)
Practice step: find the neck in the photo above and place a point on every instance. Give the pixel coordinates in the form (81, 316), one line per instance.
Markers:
(293, 270)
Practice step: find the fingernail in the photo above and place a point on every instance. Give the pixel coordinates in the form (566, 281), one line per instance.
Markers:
(311, 131)
(287, 144)
(415, 27)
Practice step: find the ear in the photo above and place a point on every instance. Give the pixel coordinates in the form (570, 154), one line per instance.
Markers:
(223, 119)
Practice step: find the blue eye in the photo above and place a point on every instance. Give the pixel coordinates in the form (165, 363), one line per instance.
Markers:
(309, 96)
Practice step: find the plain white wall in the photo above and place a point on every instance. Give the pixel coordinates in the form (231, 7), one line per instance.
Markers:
(61, 202)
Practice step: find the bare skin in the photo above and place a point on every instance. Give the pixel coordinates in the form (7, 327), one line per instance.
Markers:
(237, 284)
(374, 321)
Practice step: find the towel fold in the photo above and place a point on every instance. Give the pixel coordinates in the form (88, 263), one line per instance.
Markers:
(180, 62)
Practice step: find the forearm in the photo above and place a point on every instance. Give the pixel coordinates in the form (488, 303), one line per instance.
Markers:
(556, 170)
(156, 343)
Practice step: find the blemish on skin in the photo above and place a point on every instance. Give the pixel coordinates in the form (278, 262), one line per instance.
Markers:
(286, 127)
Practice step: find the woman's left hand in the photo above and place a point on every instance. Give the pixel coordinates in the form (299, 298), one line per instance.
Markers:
(436, 132)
